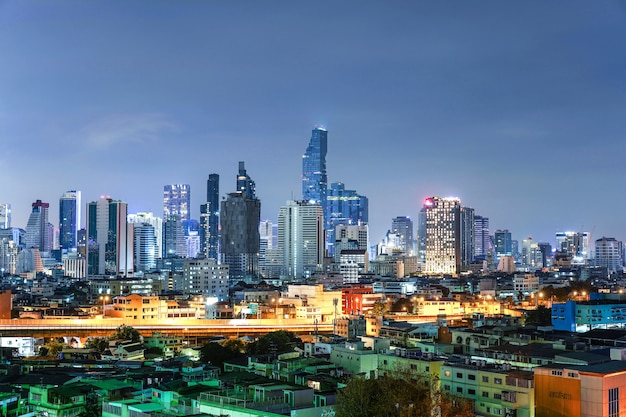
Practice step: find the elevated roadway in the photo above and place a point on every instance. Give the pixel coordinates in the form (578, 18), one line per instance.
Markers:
(75, 327)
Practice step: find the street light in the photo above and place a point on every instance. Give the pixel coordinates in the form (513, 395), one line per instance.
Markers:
(104, 299)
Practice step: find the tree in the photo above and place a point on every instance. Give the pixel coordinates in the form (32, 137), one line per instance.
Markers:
(378, 309)
(216, 354)
(99, 344)
(542, 316)
(52, 349)
(125, 332)
(397, 396)
(275, 342)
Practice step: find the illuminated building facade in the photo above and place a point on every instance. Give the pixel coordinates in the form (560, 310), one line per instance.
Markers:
(209, 219)
(240, 215)
(38, 230)
(314, 178)
(609, 254)
(503, 243)
(5, 215)
(69, 219)
(301, 238)
(110, 238)
(581, 390)
(482, 240)
(448, 235)
(403, 227)
(155, 222)
(343, 207)
(575, 244)
(176, 201)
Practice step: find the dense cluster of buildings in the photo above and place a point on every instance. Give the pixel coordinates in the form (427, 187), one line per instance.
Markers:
(446, 299)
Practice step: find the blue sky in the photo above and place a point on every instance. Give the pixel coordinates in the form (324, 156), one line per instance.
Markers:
(519, 109)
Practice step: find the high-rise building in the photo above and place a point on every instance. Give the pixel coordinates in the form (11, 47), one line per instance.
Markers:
(482, 240)
(609, 253)
(155, 222)
(174, 244)
(38, 233)
(209, 219)
(205, 277)
(145, 246)
(403, 227)
(69, 219)
(177, 201)
(449, 238)
(503, 243)
(5, 215)
(109, 238)
(301, 238)
(342, 207)
(466, 236)
(240, 215)
(314, 178)
(191, 229)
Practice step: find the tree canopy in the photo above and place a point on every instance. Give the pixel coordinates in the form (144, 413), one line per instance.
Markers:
(397, 397)
(280, 341)
(125, 332)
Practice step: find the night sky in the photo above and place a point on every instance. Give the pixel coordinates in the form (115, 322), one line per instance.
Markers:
(517, 108)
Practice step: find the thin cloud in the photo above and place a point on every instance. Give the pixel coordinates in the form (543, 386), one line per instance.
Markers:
(126, 129)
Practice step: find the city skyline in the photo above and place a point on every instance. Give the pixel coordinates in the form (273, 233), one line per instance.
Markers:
(517, 113)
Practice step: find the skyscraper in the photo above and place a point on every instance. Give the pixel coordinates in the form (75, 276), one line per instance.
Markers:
(575, 244)
(482, 241)
(145, 246)
(449, 236)
(301, 238)
(37, 229)
(609, 253)
(69, 219)
(344, 207)
(109, 238)
(209, 218)
(174, 244)
(176, 201)
(314, 178)
(155, 222)
(5, 215)
(240, 215)
(403, 227)
(503, 243)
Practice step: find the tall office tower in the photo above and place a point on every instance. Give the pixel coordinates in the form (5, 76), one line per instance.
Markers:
(109, 238)
(531, 254)
(155, 222)
(314, 178)
(209, 218)
(240, 215)
(174, 244)
(342, 207)
(503, 243)
(466, 236)
(145, 246)
(301, 238)
(482, 241)
(403, 227)
(8, 256)
(443, 229)
(421, 238)
(37, 228)
(69, 219)
(609, 253)
(176, 201)
(5, 215)
(266, 242)
(575, 244)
